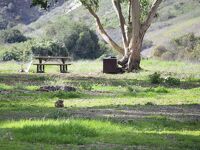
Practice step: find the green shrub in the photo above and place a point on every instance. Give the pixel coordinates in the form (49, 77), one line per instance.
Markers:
(186, 47)
(80, 41)
(155, 78)
(11, 36)
(130, 89)
(49, 48)
(86, 86)
(159, 51)
(19, 52)
(172, 81)
(83, 43)
(168, 56)
(161, 90)
(23, 51)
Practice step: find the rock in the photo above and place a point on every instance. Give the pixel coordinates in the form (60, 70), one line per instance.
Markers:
(5, 92)
(69, 89)
(57, 88)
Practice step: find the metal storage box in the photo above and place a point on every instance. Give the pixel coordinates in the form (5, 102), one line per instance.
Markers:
(110, 65)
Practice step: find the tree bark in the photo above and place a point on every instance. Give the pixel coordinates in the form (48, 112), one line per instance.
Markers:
(135, 56)
(136, 42)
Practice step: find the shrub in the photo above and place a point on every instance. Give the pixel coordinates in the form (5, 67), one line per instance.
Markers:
(49, 48)
(80, 41)
(186, 47)
(129, 89)
(172, 81)
(83, 43)
(168, 56)
(24, 50)
(155, 78)
(11, 36)
(19, 52)
(161, 90)
(86, 86)
(159, 51)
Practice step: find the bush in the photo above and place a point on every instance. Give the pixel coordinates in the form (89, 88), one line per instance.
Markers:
(19, 52)
(49, 48)
(11, 36)
(159, 51)
(86, 86)
(24, 50)
(155, 78)
(186, 47)
(168, 56)
(80, 41)
(83, 43)
(172, 81)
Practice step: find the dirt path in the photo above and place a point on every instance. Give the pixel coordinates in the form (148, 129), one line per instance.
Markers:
(189, 113)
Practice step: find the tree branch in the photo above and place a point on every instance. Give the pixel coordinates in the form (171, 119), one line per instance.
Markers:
(129, 25)
(151, 15)
(117, 7)
(104, 34)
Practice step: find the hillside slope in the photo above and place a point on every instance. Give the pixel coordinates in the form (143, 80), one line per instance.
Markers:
(13, 12)
(175, 19)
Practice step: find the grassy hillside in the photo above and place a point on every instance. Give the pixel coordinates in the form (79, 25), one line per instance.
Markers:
(13, 12)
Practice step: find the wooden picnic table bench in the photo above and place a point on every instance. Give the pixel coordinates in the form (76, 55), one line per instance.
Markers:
(41, 66)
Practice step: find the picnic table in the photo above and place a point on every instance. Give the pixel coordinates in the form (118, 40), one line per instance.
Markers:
(44, 59)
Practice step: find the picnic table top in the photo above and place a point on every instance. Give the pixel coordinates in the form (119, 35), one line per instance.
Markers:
(50, 57)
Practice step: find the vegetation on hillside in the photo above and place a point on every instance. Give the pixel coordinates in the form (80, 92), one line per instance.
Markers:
(61, 38)
(186, 47)
(11, 36)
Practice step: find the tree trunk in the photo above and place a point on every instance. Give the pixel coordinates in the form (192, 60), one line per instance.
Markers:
(135, 57)
(136, 41)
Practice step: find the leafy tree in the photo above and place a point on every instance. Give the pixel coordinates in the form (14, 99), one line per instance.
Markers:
(82, 43)
(140, 16)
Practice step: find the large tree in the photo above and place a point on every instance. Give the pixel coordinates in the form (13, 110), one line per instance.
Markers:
(133, 26)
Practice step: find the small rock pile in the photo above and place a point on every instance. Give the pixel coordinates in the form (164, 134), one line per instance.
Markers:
(57, 88)
(5, 92)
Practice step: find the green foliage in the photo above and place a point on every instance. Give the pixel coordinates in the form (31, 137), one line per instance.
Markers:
(159, 51)
(80, 41)
(158, 90)
(145, 7)
(172, 81)
(155, 78)
(49, 48)
(42, 3)
(11, 36)
(19, 52)
(186, 47)
(23, 51)
(93, 4)
(86, 86)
